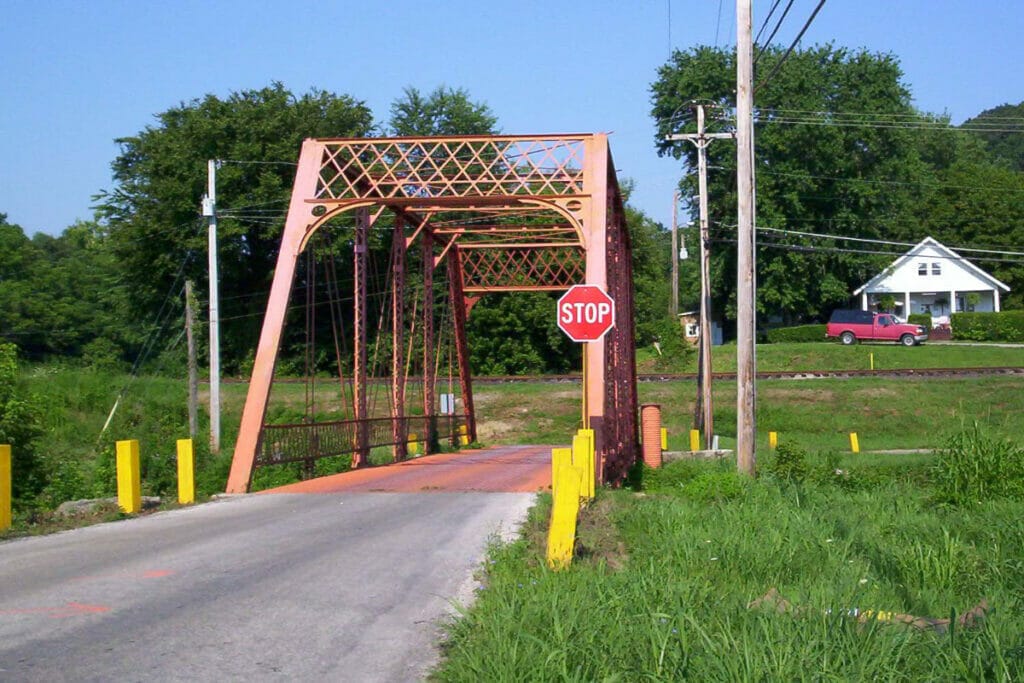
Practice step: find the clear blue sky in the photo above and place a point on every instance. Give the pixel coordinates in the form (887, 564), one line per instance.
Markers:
(77, 75)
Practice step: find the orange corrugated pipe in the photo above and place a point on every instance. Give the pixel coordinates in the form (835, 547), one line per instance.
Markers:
(650, 428)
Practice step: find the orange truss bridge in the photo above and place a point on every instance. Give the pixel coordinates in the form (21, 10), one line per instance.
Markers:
(464, 216)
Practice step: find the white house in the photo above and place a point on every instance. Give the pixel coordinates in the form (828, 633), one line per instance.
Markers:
(932, 278)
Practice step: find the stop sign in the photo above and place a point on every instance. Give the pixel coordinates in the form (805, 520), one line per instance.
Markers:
(586, 313)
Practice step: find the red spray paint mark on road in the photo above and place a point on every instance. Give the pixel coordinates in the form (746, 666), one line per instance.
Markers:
(71, 609)
(148, 574)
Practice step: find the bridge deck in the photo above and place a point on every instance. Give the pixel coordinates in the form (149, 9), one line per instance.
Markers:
(502, 468)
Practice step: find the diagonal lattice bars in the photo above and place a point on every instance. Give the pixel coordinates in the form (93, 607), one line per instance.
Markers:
(424, 168)
(521, 268)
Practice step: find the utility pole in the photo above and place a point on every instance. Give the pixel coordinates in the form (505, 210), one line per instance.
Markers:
(746, 372)
(701, 139)
(210, 211)
(193, 373)
(674, 306)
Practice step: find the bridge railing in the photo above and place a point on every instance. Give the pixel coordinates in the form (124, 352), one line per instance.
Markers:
(307, 442)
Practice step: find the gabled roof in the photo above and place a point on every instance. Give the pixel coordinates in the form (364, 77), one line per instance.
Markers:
(913, 253)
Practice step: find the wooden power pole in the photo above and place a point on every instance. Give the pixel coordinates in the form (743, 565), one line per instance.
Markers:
(674, 307)
(746, 373)
(701, 139)
(193, 372)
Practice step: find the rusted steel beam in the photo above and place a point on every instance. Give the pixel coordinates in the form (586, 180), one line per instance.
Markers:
(360, 255)
(458, 304)
(273, 322)
(621, 428)
(399, 450)
(429, 378)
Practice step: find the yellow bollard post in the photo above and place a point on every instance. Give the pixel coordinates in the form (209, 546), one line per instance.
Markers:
(773, 440)
(854, 442)
(463, 435)
(5, 487)
(871, 356)
(591, 478)
(560, 457)
(694, 439)
(129, 490)
(664, 439)
(412, 447)
(566, 506)
(583, 458)
(186, 472)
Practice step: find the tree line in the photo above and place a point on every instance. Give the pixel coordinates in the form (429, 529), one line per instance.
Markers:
(841, 153)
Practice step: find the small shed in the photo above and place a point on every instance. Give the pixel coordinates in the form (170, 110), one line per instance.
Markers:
(932, 278)
(690, 321)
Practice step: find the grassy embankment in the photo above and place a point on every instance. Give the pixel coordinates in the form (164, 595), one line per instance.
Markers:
(662, 585)
(664, 578)
(886, 413)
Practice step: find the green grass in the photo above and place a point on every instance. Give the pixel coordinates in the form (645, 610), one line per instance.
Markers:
(886, 413)
(663, 592)
(824, 355)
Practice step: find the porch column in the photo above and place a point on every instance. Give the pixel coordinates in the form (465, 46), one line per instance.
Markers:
(906, 305)
(864, 300)
(995, 300)
(952, 302)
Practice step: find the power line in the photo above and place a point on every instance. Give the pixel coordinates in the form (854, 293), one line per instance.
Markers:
(778, 65)
(871, 181)
(996, 254)
(774, 31)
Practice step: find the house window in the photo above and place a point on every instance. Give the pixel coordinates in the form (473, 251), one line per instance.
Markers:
(936, 268)
(922, 268)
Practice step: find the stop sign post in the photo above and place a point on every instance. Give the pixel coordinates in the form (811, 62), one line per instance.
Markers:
(586, 313)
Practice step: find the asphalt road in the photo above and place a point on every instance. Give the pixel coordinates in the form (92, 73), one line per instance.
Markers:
(334, 586)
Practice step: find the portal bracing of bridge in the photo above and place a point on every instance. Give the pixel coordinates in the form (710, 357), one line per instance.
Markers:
(488, 214)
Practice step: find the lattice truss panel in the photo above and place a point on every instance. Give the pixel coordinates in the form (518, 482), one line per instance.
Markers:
(420, 168)
(515, 268)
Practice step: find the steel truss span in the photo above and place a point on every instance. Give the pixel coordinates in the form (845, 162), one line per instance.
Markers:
(459, 217)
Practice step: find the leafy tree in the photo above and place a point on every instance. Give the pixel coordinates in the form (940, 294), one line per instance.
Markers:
(444, 111)
(59, 294)
(814, 173)
(19, 426)
(1005, 143)
(161, 173)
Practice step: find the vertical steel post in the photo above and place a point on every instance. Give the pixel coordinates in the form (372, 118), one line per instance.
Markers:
(458, 302)
(429, 378)
(400, 450)
(359, 280)
(273, 322)
(595, 225)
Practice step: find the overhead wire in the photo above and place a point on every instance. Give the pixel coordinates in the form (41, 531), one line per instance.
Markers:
(778, 25)
(789, 50)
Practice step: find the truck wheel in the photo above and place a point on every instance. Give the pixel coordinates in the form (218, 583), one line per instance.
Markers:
(908, 340)
(847, 338)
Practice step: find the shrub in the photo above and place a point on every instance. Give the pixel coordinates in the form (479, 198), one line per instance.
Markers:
(799, 333)
(924, 319)
(788, 464)
(671, 476)
(973, 467)
(708, 487)
(1006, 326)
(19, 427)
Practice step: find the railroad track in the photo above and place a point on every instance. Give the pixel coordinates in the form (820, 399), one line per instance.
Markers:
(923, 373)
(792, 375)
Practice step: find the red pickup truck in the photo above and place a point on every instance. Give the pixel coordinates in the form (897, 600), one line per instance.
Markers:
(849, 326)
